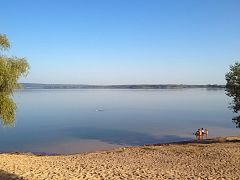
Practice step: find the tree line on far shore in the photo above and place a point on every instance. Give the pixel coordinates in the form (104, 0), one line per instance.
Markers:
(133, 86)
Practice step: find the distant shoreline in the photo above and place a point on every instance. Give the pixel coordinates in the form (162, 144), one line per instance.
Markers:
(134, 86)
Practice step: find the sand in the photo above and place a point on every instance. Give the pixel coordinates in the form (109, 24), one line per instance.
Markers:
(214, 159)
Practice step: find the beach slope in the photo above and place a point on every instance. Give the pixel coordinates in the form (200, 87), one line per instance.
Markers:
(216, 158)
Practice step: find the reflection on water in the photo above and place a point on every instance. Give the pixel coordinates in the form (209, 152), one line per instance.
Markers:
(202, 137)
(67, 121)
(119, 137)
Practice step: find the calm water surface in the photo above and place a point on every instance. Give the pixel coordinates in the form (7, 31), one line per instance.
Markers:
(66, 121)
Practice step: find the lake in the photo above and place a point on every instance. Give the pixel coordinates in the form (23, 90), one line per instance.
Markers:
(71, 121)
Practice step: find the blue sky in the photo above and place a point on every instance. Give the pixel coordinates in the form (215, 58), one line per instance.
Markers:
(124, 41)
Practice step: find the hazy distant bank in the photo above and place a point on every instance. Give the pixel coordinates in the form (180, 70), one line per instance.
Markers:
(134, 86)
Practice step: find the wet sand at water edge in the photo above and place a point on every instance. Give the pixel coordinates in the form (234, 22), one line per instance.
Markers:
(217, 158)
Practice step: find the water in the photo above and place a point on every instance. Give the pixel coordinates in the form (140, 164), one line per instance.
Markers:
(71, 121)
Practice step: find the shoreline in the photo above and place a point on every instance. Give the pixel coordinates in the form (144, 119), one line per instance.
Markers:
(209, 159)
(220, 139)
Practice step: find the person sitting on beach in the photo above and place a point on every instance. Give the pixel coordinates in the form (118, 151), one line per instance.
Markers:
(201, 131)
(206, 131)
(198, 132)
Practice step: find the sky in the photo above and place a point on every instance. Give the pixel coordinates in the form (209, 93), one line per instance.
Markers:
(124, 41)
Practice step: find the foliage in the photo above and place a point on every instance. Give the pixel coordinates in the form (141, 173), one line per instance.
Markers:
(11, 69)
(233, 89)
(4, 43)
(236, 120)
(7, 109)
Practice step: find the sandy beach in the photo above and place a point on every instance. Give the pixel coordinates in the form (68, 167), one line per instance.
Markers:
(214, 159)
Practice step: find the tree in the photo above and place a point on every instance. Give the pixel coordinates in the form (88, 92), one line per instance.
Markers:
(11, 69)
(233, 89)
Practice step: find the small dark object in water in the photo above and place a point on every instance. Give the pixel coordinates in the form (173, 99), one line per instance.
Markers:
(99, 110)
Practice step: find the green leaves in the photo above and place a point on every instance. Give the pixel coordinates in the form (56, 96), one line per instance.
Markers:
(4, 43)
(233, 89)
(7, 109)
(233, 85)
(11, 69)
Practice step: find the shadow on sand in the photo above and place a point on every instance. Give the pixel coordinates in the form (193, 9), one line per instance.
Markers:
(233, 139)
(8, 176)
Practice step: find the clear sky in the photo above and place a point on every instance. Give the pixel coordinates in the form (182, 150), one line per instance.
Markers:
(124, 41)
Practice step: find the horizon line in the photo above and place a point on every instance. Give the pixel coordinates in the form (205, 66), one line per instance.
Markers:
(123, 84)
